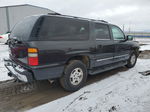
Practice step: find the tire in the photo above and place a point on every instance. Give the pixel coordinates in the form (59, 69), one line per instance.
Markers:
(74, 76)
(132, 60)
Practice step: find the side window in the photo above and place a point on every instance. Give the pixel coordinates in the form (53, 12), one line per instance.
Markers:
(117, 33)
(59, 28)
(101, 31)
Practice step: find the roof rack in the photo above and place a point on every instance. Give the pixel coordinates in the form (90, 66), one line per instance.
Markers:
(103, 21)
(78, 17)
(54, 13)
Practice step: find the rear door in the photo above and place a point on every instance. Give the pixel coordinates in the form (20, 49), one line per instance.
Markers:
(122, 48)
(104, 45)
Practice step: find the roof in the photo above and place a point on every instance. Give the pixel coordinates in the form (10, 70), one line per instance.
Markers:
(68, 16)
(27, 5)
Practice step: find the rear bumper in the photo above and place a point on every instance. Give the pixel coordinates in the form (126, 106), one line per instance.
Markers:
(17, 71)
(30, 74)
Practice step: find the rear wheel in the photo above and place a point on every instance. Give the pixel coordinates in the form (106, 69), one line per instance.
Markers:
(132, 60)
(74, 76)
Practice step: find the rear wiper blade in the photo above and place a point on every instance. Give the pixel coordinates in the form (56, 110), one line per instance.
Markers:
(14, 40)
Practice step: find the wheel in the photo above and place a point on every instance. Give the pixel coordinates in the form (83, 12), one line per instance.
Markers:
(132, 60)
(74, 76)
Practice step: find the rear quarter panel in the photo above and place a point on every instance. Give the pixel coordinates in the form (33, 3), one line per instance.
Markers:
(58, 52)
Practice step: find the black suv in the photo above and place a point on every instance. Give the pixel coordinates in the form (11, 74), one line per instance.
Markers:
(67, 48)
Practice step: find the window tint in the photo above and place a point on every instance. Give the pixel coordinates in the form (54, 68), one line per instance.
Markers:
(101, 31)
(117, 33)
(59, 28)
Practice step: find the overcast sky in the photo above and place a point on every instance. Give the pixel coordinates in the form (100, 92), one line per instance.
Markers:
(133, 14)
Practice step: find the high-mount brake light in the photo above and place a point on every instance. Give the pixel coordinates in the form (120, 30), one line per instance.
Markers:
(33, 57)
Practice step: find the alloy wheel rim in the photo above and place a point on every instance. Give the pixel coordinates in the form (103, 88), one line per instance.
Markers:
(76, 76)
(133, 59)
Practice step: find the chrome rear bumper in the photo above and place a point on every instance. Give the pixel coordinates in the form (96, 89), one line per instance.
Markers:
(18, 71)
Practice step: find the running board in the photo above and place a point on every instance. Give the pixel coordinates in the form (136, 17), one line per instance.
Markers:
(107, 67)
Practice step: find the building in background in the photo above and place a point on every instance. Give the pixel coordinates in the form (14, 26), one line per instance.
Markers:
(10, 15)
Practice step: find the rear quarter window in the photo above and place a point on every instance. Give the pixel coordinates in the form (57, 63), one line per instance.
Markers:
(60, 28)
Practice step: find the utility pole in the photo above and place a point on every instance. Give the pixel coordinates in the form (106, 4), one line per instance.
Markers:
(129, 27)
(123, 27)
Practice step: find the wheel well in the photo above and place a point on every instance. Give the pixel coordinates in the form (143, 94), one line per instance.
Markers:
(84, 59)
(136, 51)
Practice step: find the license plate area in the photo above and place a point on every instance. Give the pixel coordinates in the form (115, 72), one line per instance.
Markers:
(14, 65)
(19, 68)
(16, 70)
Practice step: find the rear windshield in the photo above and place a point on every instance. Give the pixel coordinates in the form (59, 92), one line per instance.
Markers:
(60, 28)
(22, 30)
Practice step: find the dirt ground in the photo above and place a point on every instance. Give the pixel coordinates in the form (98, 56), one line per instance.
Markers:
(41, 93)
(16, 97)
(145, 54)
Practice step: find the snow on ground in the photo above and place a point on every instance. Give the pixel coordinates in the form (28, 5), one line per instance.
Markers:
(145, 47)
(143, 40)
(3, 70)
(123, 92)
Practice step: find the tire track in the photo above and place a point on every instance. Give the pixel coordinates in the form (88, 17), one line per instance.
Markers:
(11, 88)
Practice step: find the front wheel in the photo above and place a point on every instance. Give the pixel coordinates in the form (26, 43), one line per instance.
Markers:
(74, 76)
(132, 60)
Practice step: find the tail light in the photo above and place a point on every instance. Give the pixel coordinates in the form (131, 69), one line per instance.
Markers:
(1, 37)
(33, 57)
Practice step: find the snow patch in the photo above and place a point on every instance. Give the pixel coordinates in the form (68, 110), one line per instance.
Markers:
(3, 70)
(144, 47)
(123, 92)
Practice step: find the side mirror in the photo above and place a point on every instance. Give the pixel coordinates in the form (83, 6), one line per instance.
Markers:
(129, 37)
